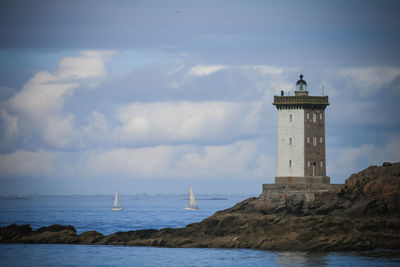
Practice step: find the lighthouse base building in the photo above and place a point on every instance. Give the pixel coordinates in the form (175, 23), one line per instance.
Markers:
(300, 157)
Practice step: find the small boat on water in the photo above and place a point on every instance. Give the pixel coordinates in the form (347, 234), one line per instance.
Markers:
(192, 201)
(116, 206)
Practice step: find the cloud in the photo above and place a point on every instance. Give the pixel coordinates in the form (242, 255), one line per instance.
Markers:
(267, 70)
(41, 95)
(59, 130)
(238, 160)
(10, 125)
(347, 160)
(38, 107)
(184, 121)
(204, 70)
(27, 163)
(88, 65)
(97, 122)
(42, 121)
(139, 162)
(370, 80)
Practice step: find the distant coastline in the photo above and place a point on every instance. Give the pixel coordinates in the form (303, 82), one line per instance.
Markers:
(212, 198)
(364, 214)
(18, 196)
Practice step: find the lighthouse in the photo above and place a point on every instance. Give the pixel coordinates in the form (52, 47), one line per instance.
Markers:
(301, 157)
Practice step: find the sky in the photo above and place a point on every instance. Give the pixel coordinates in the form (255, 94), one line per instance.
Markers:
(155, 96)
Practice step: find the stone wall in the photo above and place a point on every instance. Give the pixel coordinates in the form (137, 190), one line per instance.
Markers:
(302, 180)
(304, 192)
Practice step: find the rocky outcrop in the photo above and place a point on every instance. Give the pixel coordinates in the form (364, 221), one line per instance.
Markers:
(54, 234)
(363, 214)
(374, 191)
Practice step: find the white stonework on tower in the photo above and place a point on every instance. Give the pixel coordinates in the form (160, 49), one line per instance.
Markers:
(290, 143)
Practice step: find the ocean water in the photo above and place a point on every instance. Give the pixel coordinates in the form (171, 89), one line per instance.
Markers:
(143, 212)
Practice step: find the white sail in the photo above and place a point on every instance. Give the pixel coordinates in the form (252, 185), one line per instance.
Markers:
(116, 204)
(192, 201)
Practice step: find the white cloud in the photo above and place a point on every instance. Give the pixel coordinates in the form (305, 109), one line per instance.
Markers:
(59, 130)
(97, 121)
(10, 125)
(238, 160)
(41, 95)
(370, 80)
(348, 160)
(266, 69)
(349, 157)
(204, 70)
(139, 162)
(230, 161)
(88, 65)
(183, 121)
(38, 107)
(27, 163)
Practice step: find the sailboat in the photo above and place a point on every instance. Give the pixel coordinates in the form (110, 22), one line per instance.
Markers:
(192, 201)
(116, 206)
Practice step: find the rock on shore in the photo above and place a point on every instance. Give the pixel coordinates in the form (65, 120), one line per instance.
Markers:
(362, 215)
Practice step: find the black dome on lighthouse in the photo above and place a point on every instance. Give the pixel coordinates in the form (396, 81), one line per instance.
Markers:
(301, 84)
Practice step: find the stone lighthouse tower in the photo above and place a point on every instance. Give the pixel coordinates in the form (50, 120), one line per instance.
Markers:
(300, 157)
(301, 137)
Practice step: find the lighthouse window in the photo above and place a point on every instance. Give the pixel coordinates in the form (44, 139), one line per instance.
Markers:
(314, 141)
(320, 116)
(322, 164)
(320, 140)
(308, 139)
(314, 118)
(290, 141)
(308, 116)
(290, 118)
(290, 163)
(313, 169)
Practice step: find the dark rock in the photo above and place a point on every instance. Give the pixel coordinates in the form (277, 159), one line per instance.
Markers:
(90, 237)
(56, 228)
(49, 237)
(13, 232)
(53, 234)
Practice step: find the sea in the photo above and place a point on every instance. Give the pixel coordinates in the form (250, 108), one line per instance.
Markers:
(146, 211)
